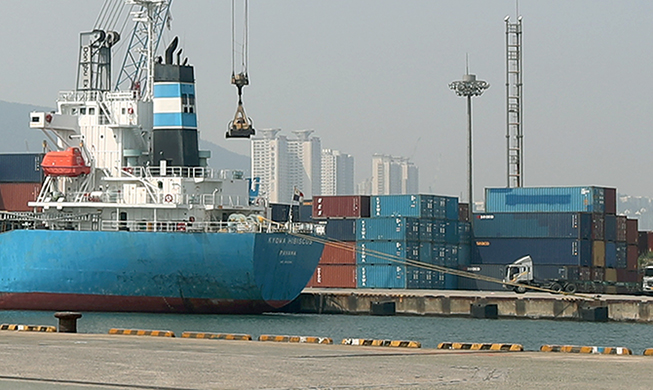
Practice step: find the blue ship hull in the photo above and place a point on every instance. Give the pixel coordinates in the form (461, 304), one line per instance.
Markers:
(153, 272)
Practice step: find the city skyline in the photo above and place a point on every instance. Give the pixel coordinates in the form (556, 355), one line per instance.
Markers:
(378, 83)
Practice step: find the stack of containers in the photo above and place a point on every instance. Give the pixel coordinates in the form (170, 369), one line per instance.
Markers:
(408, 228)
(20, 180)
(338, 214)
(569, 232)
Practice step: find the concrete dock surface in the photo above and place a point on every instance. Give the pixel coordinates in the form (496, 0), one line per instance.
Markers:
(39, 361)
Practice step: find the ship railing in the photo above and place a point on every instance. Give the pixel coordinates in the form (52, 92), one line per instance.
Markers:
(215, 200)
(97, 96)
(187, 172)
(183, 226)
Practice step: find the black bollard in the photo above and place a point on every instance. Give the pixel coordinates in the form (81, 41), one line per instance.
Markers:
(68, 321)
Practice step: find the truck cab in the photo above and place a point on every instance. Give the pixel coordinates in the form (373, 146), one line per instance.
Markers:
(647, 280)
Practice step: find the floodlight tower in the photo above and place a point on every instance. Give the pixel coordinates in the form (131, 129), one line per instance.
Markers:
(467, 87)
(514, 136)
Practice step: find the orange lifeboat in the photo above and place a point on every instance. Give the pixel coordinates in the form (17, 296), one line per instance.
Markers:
(68, 163)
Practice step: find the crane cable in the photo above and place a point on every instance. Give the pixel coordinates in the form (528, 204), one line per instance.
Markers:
(438, 268)
(244, 46)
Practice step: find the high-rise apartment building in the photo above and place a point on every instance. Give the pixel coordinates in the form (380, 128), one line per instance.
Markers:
(283, 164)
(393, 175)
(337, 173)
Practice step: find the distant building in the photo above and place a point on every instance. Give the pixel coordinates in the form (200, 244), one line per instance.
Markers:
(393, 175)
(283, 164)
(337, 173)
(364, 187)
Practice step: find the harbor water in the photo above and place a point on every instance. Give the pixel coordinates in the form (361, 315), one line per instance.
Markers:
(428, 330)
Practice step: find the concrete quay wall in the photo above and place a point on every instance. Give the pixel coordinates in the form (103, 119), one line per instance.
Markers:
(458, 303)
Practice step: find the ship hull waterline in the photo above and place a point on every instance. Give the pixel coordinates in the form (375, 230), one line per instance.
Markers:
(158, 272)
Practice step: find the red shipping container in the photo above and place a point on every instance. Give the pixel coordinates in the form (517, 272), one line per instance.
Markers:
(463, 212)
(631, 231)
(610, 195)
(645, 242)
(14, 196)
(621, 228)
(334, 276)
(627, 276)
(597, 274)
(632, 254)
(341, 206)
(339, 253)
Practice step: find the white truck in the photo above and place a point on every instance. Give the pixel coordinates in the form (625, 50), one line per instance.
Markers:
(647, 280)
(521, 273)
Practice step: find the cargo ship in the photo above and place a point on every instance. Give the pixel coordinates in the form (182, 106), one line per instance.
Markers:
(130, 217)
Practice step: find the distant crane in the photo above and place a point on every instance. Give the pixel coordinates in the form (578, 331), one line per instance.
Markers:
(241, 126)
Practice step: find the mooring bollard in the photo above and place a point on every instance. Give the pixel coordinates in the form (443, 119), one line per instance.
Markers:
(68, 321)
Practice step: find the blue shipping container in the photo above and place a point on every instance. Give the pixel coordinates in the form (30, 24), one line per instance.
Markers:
(445, 255)
(381, 276)
(543, 251)
(386, 252)
(21, 168)
(545, 199)
(452, 209)
(622, 249)
(464, 232)
(533, 225)
(464, 254)
(395, 228)
(425, 252)
(419, 206)
(419, 278)
(426, 229)
(450, 282)
(610, 226)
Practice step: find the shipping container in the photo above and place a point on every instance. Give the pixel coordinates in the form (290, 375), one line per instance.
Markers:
(445, 231)
(610, 200)
(644, 242)
(451, 208)
(610, 233)
(597, 274)
(334, 276)
(386, 252)
(445, 255)
(450, 282)
(543, 251)
(340, 229)
(632, 235)
(426, 229)
(463, 212)
(393, 228)
(417, 206)
(533, 225)
(584, 273)
(598, 226)
(621, 228)
(464, 254)
(426, 252)
(621, 249)
(631, 257)
(305, 213)
(281, 212)
(419, 278)
(598, 253)
(496, 271)
(627, 276)
(545, 199)
(381, 276)
(341, 206)
(339, 253)
(464, 232)
(14, 196)
(610, 275)
(610, 254)
(556, 272)
(21, 168)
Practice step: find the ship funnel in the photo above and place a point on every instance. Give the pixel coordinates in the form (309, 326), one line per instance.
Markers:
(179, 56)
(112, 38)
(170, 50)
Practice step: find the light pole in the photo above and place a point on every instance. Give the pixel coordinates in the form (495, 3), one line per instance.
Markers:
(469, 87)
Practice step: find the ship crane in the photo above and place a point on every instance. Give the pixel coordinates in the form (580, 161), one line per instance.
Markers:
(241, 126)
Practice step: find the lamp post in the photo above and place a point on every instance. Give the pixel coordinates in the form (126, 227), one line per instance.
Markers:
(468, 87)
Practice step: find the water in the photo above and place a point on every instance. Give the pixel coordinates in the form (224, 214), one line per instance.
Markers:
(428, 330)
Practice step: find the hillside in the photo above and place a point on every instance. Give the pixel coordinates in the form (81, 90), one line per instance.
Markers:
(17, 137)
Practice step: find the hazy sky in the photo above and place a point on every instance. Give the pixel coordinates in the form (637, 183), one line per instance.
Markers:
(371, 77)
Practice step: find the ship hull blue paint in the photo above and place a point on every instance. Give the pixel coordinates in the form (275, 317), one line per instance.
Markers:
(153, 272)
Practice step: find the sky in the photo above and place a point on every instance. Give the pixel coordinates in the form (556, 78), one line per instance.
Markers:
(371, 76)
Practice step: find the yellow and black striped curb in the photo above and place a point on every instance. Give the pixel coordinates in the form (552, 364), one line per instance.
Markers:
(28, 328)
(382, 343)
(137, 332)
(216, 336)
(586, 349)
(296, 339)
(648, 352)
(482, 347)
